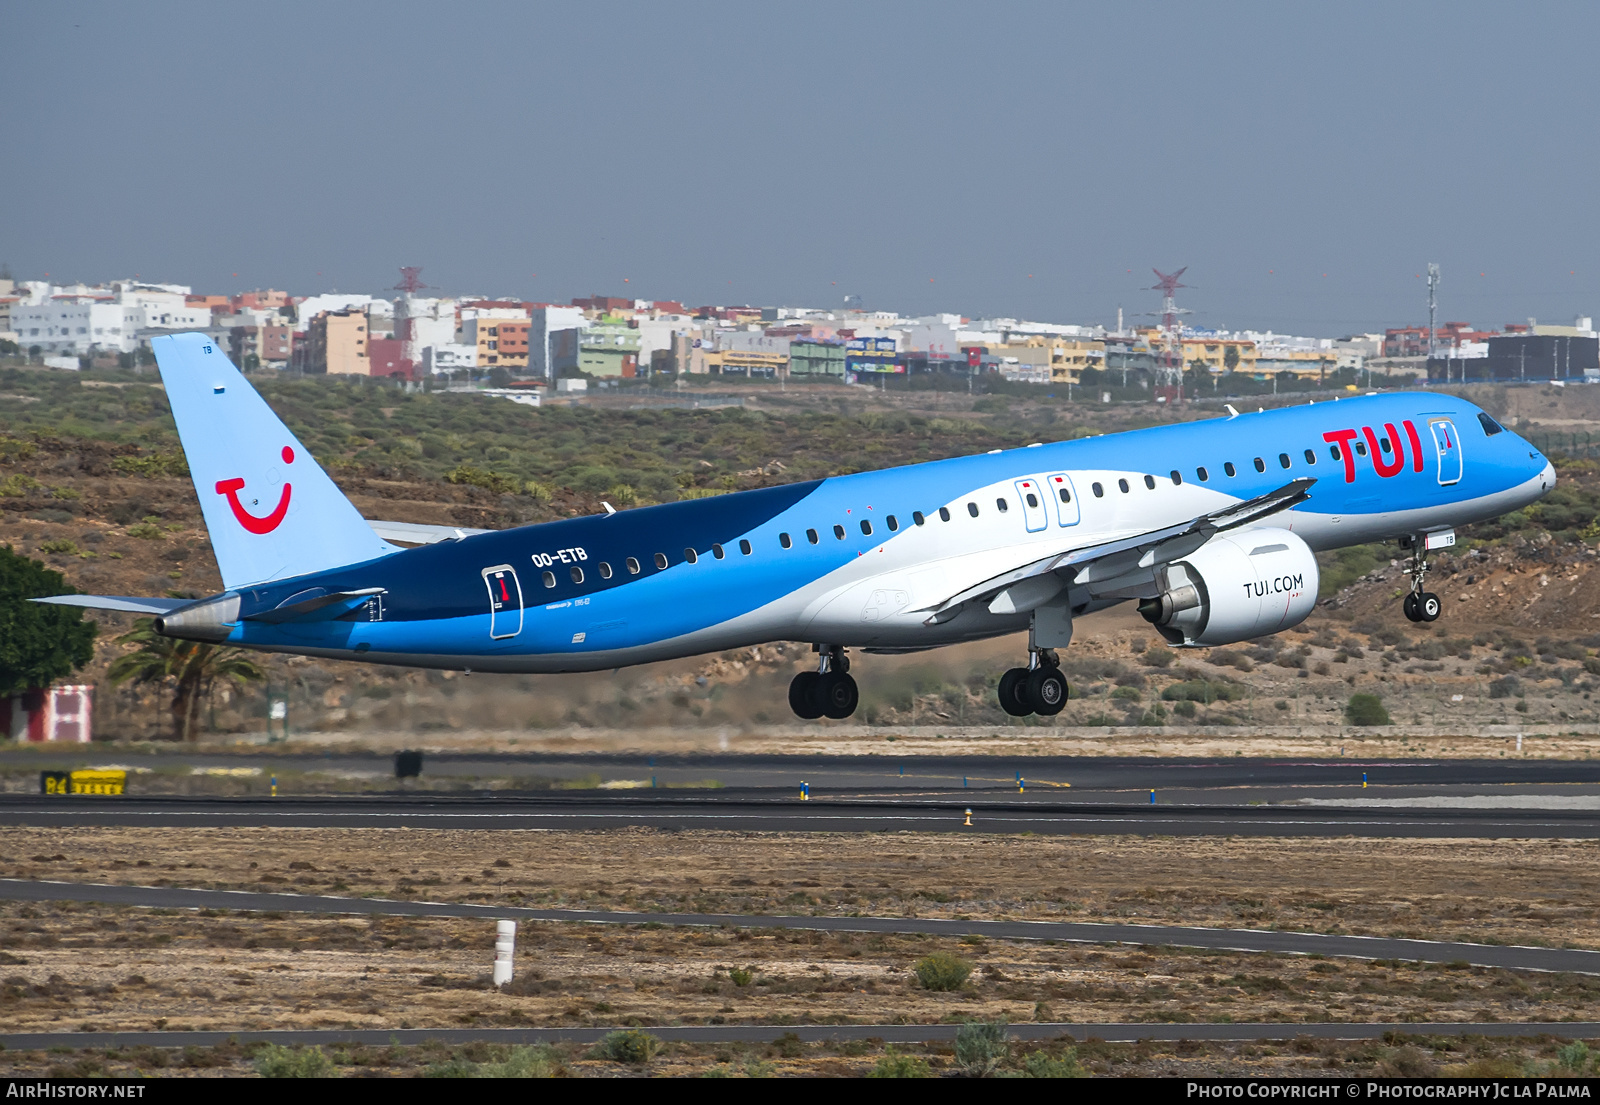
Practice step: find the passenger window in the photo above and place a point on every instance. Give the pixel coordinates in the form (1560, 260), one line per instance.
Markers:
(1177, 478)
(944, 514)
(1261, 465)
(661, 561)
(1099, 492)
(1361, 448)
(894, 523)
(866, 528)
(576, 573)
(1150, 482)
(1123, 484)
(1033, 500)
(916, 516)
(1311, 456)
(838, 531)
(744, 546)
(972, 509)
(1001, 505)
(605, 570)
(1333, 451)
(1490, 426)
(716, 551)
(1202, 474)
(811, 535)
(783, 539)
(1228, 467)
(691, 556)
(549, 579)
(1064, 494)
(1383, 443)
(1283, 460)
(633, 566)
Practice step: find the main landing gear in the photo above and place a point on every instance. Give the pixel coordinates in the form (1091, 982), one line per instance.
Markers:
(1039, 688)
(1420, 605)
(827, 692)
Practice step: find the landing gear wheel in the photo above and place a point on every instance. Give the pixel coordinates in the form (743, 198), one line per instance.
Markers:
(1014, 693)
(804, 698)
(1429, 607)
(1047, 691)
(1410, 607)
(837, 695)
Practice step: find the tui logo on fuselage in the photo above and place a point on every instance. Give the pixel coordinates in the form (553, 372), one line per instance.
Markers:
(249, 521)
(1382, 465)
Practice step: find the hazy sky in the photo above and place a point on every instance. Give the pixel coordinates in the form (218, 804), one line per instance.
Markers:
(1030, 159)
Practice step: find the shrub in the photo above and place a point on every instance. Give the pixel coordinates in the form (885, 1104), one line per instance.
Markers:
(489, 481)
(741, 976)
(1366, 709)
(942, 971)
(981, 1047)
(1157, 657)
(630, 1046)
(1500, 688)
(1574, 1057)
(60, 545)
(151, 465)
(1202, 690)
(1184, 709)
(1039, 1064)
(147, 530)
(274, 1061)
(16, 485)
(895, 1065)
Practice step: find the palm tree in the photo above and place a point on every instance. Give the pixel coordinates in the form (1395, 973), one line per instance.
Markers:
(191, 667)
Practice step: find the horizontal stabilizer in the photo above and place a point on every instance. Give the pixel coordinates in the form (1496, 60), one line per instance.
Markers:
(123, 603)
(417, 533)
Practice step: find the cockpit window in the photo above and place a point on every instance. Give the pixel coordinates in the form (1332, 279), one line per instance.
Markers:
(1490, 426)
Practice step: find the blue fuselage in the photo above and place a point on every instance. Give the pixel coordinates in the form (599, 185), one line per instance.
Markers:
(860, 559)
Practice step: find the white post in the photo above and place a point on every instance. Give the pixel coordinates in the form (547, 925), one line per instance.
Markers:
(505, 945)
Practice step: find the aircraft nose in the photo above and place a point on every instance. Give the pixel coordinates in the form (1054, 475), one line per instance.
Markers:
(1547, 471)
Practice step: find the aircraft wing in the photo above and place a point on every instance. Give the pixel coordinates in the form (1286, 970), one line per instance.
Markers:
(1127, 563)
(416, 533)
(127, 604)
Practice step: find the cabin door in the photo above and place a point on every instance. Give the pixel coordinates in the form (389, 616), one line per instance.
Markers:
(505, 601)
(1448, 446)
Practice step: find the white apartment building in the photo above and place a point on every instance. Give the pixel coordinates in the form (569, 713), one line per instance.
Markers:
(544, 321)
(73, 326)
(312, 306)
(422, 324)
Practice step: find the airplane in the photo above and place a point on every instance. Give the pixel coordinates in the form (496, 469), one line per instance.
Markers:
(1210, 527)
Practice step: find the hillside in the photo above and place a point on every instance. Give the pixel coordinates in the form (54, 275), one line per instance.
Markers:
(92, 483)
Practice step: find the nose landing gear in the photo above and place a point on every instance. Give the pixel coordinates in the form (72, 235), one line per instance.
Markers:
(827, 692)
(1039, 688)
(1420, 605)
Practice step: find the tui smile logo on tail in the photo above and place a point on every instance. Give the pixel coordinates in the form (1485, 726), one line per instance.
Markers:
(249, 521)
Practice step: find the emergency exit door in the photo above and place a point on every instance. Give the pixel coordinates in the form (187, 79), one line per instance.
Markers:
(1449, 450)
(505, 601)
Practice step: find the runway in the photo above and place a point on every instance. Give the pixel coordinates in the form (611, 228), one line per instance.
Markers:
(1234, 940)
(1039, 810)
(809, 1033)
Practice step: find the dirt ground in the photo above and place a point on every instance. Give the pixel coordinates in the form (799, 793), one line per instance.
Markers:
(85, 967)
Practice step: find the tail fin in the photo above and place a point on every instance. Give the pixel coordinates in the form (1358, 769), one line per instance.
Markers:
(271, 510)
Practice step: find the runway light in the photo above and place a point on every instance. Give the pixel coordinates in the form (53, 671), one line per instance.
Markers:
(969, 817)
(1152, 797)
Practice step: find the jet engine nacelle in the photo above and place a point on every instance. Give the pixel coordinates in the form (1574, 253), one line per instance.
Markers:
(1235, 587)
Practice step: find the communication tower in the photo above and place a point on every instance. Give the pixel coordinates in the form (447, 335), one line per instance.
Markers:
(1433, 302)
(410, 280)
(1169, 366)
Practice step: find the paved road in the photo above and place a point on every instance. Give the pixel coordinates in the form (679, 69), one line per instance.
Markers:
(1241, 940)
(752, 1033)
(886, 770)
(1036, 810)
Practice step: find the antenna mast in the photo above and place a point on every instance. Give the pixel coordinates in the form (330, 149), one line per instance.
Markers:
(1433, 302)
(1169, 370)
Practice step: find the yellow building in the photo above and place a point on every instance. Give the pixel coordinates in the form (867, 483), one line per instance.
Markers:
(1220, 355)
(335, 343)
(1315, 363)
(1065, 357)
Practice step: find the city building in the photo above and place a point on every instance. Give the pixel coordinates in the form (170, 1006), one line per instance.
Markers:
(609, 349)
(816, 360)
(1219, 355)
(335, 343)
(544, 321)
